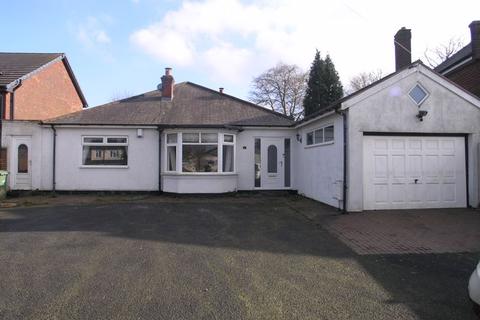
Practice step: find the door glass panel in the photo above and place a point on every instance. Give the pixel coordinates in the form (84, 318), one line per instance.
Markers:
(257, 163)
(22, 166)
(272, 159)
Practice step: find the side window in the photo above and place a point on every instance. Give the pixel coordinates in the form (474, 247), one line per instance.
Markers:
(22, 166)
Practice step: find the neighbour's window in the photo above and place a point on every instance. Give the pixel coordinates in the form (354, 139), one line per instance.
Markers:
(320, 136)
(200, 152)
(105, 151)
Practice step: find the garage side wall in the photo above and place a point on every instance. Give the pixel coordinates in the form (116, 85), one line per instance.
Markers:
(319, 168)
(141, 174)
(391, 110)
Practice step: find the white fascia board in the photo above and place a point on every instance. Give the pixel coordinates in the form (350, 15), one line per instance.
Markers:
(315, 119)
(450, 86)
(379, 87)
(133, 127)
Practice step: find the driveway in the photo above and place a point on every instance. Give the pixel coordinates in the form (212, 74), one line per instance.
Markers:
(238, 257)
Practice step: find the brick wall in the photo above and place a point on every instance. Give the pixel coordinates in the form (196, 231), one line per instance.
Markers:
(3, 159)
(47, 94)
(468, 77)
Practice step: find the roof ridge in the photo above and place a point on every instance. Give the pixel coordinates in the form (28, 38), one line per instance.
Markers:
(239, 99)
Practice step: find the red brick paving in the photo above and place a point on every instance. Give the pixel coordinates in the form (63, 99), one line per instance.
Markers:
(409, 231)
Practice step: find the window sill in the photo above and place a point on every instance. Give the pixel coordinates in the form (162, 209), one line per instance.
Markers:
(199, 174)
(319, 144)
(103, 167)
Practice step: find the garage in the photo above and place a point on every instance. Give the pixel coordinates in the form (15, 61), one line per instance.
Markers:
(409, 172)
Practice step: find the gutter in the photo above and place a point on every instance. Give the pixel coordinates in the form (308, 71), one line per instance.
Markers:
(343, 113)
(54, 158)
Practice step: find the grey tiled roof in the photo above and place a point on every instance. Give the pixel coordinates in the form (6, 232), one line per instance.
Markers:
(461, 55)
(192, 105)
(14, 66)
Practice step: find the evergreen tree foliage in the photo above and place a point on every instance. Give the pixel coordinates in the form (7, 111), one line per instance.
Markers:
(323, 87)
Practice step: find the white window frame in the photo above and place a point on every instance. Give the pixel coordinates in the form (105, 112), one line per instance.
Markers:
(323, 143)
(104, 143)
(179, 151)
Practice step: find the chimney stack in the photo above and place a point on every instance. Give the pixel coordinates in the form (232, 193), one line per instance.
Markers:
(168, 82)
(403, 48)
(220, 90)
(475, 42)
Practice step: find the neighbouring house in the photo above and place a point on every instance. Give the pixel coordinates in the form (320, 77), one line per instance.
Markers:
(35, 86)
(463, 67)
(410, 140)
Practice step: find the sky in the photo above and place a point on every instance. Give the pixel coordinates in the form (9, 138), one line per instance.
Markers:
(119, 48)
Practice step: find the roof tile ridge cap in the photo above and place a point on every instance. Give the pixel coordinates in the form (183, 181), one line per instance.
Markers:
(242, 101)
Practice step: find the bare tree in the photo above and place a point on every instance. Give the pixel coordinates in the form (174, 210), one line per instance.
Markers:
(120, 95)
(444, 51)
(364, 79)
(281, 89)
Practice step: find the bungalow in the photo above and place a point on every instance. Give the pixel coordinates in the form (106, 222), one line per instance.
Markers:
(409, 140)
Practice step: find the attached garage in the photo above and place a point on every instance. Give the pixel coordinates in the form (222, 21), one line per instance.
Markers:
(407, 172)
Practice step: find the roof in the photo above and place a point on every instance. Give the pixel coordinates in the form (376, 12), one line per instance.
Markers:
(192, 105)
(458, 57)
(17, 66)
(336, 105)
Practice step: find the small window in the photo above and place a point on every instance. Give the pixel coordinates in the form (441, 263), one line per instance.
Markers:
(92, 139)
(22, 165)
(117, 140)
(190, 137)
(172, 138)
(228, 158)
(418, 94)
(172, 158)
(228, 138)
(209, 137)
(309, 138)
(328, 134)
(272, 159)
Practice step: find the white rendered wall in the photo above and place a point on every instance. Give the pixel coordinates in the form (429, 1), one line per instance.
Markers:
(319, 168)
(140, 175)
(388, 108)
(246, 151)
(41, 150)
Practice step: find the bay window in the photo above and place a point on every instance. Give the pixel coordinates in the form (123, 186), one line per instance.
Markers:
(104, 151)
(200, 152)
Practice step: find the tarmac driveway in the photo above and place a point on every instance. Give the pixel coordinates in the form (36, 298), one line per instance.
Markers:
(239, 257)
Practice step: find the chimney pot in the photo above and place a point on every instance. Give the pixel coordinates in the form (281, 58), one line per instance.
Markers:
(475, 38)
(403, 48)
(220, 90)
(168, 84)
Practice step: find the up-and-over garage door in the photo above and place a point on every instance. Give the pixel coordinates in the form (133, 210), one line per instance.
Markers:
(407, 172)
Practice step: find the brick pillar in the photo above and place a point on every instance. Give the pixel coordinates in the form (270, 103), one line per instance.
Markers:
(3, 159)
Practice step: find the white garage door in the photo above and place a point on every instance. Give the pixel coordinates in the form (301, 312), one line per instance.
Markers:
(403, 172)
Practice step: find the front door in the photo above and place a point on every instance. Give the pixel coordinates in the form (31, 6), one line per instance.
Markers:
(273, 162)
(21, 168)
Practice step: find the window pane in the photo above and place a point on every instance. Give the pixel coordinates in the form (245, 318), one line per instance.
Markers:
(200, 158)
(272, 159)
(190, 137)
(309, 138)
(172, 138)
(257, 163)
(287, 162)
(104, 155)
(418, 94)
(328, 133)
(171, 158)
(209, 137)
(22, 165)
(228, 158)
(319, 136)
(93, 139)
(228, 138)
(116, 140)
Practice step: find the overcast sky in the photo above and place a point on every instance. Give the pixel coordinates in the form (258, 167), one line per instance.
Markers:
(121, 47)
